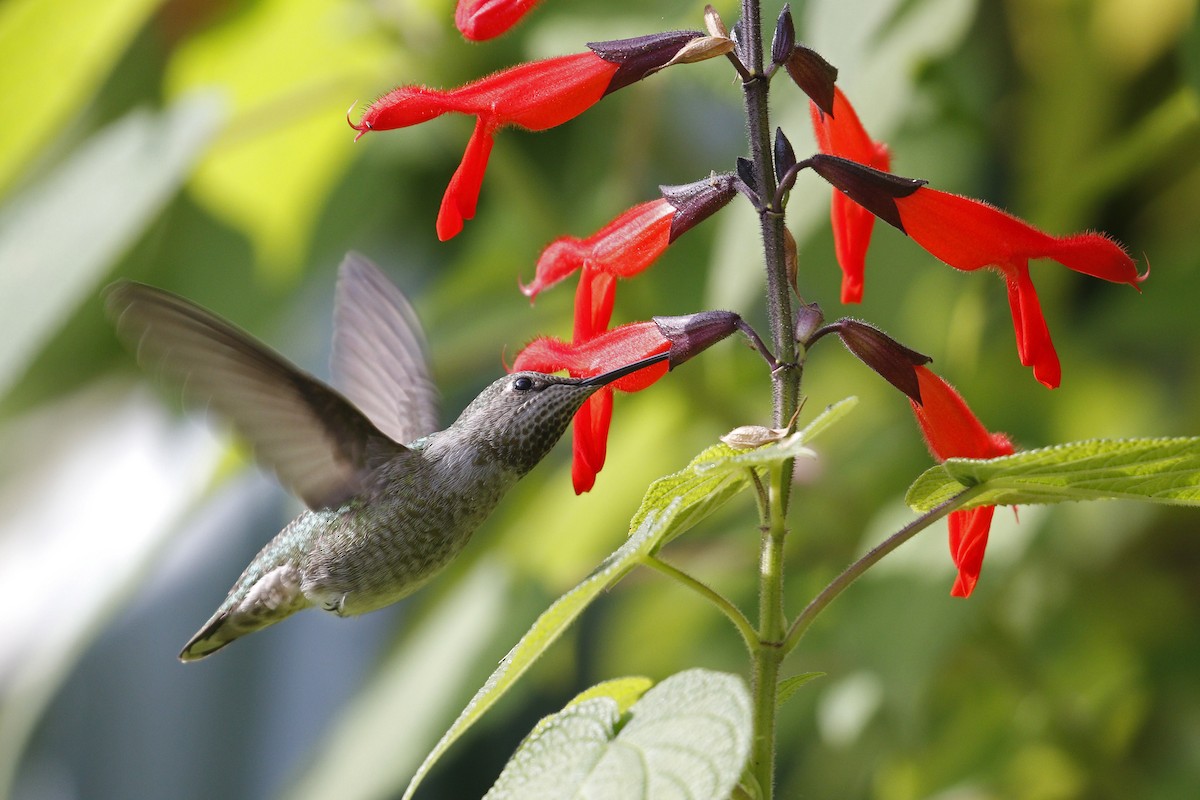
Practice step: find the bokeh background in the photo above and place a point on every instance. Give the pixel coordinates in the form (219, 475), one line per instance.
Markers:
(202, 147)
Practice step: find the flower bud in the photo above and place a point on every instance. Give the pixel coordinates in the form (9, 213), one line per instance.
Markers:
(873, 190)
(809, 320)
(697, 201)
(784, 40)
(638, 57)
(813, 74)
(692, 333)
(894, 362)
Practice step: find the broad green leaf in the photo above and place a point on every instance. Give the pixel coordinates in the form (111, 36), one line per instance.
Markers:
(687, 737)
(625, 691)
(788, 686)
(59, 238)
(1157, 470)
(53, 56)
(291, 70)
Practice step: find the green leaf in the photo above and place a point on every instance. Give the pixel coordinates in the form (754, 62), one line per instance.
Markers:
(788, 686)
(625, 691)
(687, 737)
(59, 238)
(1157, 470)
(53, 56)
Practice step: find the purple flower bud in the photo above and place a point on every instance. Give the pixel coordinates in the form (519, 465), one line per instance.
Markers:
(813, 74)
(894, 362)
(641, 55)
(696, 202)
(809, 320)
(692, 333)
(784, 39)
(873, 190)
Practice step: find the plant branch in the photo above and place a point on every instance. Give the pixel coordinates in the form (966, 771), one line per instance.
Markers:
(749, 636)
(852, 572)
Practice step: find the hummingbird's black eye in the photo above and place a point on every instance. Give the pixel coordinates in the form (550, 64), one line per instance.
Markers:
(522, 384)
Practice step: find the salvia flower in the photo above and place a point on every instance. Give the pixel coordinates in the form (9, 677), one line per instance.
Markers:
(534, 96)
(681, 337)
(842, 134)
(952, 431)
(480, 20)
(625, 247)
(970, 234)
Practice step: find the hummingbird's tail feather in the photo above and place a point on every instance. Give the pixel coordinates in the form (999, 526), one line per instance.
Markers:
(207, 640)
(258, 600)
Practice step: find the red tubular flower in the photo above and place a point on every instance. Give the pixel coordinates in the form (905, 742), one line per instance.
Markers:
(680, 337)
(952, 431)
(970, 234)
(622, 248)
(842, 134)
(625, 247)
(480, 20)
(535, 96)
(608, 350)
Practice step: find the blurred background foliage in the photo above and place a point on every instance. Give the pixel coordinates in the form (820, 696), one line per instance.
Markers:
(202, 147)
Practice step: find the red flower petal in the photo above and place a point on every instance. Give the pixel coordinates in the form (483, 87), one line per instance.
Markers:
(622, 248)
(589, 444)
(462, 193)
(536, 96)
(953, 431)
(609, 350)
(480, 20)
(969, 234)
(968, 540)
(594, 299)
(842, 134)
(1034, 345)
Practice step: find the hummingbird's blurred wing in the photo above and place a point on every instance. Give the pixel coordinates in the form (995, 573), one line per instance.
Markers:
(321, 447)
(379, 355)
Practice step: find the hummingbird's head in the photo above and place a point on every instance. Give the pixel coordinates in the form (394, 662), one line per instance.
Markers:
(519, 418)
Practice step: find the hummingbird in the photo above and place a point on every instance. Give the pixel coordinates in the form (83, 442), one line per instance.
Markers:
(390, 499)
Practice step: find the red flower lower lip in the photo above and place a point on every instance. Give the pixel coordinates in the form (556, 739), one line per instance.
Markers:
(952, 431)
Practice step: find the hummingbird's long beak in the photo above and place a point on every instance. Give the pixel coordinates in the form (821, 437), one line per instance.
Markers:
(605, 378)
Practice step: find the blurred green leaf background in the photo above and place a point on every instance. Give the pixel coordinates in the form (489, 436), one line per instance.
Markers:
(202, 147)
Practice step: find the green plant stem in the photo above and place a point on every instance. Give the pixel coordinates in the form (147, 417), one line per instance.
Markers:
(749, 636)
(852, 572)
(785, 384)
(771, 624)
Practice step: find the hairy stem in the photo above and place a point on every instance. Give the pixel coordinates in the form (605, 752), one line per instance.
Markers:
(785, 380)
